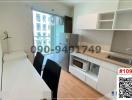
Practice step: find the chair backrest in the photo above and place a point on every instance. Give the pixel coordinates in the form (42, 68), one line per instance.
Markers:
(51, 76)
(38, 62)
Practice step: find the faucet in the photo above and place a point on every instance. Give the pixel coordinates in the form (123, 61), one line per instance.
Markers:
(130, 60)
(130, 51)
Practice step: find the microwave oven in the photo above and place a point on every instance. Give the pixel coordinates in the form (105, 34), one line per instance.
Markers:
(80, 64)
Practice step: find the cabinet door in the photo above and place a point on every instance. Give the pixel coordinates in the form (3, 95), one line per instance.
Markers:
(90, 81)
(87, 21)
(106, 82)
(77, 72)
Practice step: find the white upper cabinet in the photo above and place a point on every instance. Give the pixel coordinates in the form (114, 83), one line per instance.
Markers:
(119, 19)
(116, 20)
(123, 20)
(87, 21)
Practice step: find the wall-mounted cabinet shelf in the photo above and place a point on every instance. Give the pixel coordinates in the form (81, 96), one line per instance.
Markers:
(105, 20)
(123, 19)
(120, 19)
(106, 16)
(124, 4)
(105, 25)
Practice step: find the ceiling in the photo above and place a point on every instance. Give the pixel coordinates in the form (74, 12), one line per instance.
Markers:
(75, 2)
(70, 3)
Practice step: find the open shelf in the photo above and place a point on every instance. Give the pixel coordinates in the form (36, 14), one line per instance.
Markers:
(93, 71)
(116, 20)
(105, 20)
(106, 16)
(119, 19)
(105, 25)
(104, 29)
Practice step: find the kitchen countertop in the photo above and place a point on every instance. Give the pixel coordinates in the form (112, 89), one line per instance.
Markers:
(103, 56)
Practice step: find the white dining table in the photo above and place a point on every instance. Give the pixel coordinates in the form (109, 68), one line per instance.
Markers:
(21, 81)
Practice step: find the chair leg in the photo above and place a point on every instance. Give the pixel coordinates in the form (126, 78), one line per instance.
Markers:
(54, 96)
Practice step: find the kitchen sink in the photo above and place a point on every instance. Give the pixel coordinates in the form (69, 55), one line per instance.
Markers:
(122, 60)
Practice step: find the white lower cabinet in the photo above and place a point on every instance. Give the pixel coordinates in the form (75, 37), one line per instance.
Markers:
(106, 82)
(77, 72)
(103, 81)
(90, 81)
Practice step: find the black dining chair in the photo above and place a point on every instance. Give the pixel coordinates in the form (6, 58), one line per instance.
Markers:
(51, 76)
(38, 62)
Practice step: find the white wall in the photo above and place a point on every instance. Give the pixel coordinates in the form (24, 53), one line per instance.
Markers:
(0, 65)
(121, 41)
(16, 18)
(103, 38)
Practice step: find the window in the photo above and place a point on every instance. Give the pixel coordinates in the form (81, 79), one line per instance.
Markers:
(42, 30)
(46, 27)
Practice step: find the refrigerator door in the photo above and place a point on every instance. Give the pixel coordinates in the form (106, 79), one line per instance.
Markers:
(71, 40)
(66, 40)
